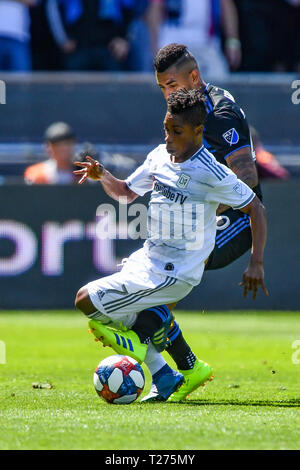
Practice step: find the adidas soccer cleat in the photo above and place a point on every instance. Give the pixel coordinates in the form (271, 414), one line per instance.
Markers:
(193, 379)
(122, 342)
(165, 382)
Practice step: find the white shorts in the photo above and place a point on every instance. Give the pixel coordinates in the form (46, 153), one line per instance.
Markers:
(122, 295)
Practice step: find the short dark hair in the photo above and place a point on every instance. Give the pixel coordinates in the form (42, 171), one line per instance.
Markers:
(189, 104)
(174, 54)
(58, 132)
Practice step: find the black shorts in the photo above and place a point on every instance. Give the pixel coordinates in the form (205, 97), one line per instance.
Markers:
(233, 239)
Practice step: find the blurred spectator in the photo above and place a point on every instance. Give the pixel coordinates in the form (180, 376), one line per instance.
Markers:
(45, 52)
(267, 165)
(288, 37)
(139, 35)
(91, 33)
(15, 35)
(270, 35)
(60, 146)
(198, 24)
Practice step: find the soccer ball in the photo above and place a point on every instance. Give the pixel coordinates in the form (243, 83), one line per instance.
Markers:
(119, 379)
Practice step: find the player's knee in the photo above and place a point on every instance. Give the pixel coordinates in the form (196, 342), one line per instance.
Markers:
(83, 301)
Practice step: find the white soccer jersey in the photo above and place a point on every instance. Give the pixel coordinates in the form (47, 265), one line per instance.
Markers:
(182, 210)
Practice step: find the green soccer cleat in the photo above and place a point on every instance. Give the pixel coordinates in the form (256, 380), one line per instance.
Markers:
(122, 342)
(198, 375)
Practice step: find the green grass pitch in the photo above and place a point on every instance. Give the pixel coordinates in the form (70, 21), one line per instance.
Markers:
(253, 402)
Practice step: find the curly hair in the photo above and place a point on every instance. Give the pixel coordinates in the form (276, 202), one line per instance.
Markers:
(189, 104)
(173, 54)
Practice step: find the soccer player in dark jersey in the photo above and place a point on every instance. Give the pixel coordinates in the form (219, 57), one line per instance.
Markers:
(226, 135)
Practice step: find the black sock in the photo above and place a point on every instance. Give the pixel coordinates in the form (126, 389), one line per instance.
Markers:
(147, 323)
(181, 353)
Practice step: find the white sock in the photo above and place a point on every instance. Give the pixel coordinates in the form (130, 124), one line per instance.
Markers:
(154, 360)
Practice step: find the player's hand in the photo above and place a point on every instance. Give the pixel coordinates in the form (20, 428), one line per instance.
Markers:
(252, 278)
(90, 169)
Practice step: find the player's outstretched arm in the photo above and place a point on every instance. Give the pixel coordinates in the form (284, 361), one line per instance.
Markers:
(254, 274)
(114, 187)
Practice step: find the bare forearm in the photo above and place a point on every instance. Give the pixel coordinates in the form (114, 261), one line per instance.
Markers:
(116, 188)
(258, 222)
(245, 171)
(243, 165)
(259, 235)
(154, 18)
(230, 20)
(254, 275)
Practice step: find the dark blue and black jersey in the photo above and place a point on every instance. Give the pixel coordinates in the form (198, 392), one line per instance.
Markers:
(226, 131)
(226, 128)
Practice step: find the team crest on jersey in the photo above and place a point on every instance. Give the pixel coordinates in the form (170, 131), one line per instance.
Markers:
(183, 181)
(240, 189)
(231, 136)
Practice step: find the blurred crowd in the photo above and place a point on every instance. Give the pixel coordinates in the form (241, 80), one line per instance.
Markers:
(123, 35)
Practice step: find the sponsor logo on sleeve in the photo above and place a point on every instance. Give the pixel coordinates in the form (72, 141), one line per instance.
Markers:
(231, 136)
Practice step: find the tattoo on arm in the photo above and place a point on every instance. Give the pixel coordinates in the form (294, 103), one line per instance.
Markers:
(244, 167)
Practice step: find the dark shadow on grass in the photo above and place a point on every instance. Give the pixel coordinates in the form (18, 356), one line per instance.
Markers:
(292, 403)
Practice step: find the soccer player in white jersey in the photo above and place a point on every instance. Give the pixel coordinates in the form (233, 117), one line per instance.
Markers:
(128, 310)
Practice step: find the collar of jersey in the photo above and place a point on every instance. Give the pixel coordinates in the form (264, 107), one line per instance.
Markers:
(205, 89)
(189, 159)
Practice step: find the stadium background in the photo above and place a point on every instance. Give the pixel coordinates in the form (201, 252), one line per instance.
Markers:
(121, 114)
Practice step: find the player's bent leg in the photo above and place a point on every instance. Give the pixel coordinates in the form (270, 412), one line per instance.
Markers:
(157, 320)
(194, 371)
(151, 325)
(233, 239)
(165, 380)
(106, 335)
(126, 301)
(109, 336)
(193, 378)
(164, 383)
(122, 342)
(83, 302)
